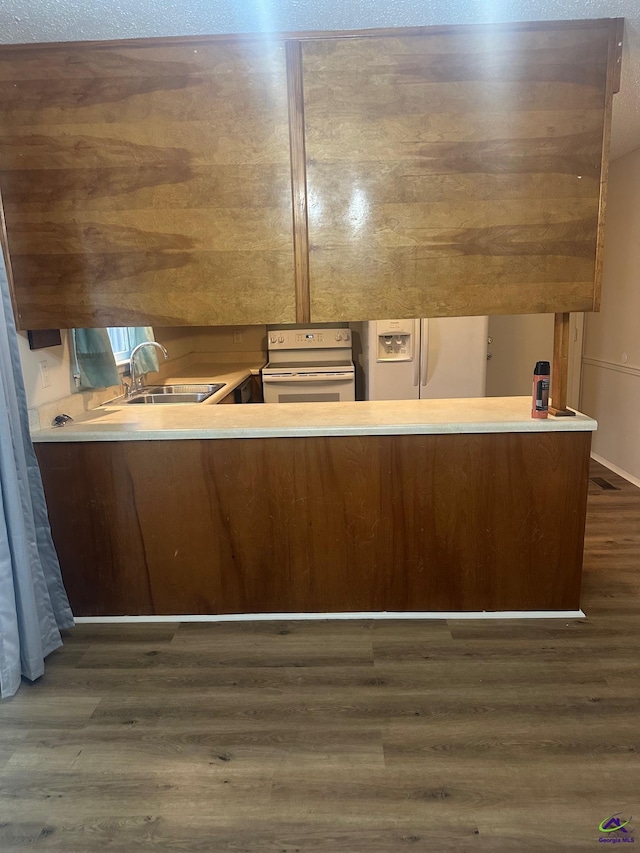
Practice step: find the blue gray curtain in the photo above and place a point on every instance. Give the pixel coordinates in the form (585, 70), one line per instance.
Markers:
(94, 364)
(33, 601)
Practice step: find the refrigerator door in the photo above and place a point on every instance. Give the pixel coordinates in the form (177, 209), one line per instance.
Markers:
(453, 357)
(392, 374)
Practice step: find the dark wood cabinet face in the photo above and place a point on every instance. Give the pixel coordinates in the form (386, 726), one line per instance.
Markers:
(442, 172)
(455, 173)
(148, 183)
(354, 523)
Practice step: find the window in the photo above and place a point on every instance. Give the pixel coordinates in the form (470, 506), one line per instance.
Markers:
(124, 339)
(122, 342)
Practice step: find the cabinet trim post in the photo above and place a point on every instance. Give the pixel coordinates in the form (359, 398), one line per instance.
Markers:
(4, 248)
(560, 367)
(298, 180)
(614, 66)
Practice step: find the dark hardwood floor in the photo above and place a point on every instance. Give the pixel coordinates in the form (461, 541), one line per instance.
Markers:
(341, 736)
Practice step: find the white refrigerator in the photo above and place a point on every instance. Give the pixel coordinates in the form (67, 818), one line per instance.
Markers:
(424, 359)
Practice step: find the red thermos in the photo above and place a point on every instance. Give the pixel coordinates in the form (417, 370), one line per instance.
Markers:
(540, 398)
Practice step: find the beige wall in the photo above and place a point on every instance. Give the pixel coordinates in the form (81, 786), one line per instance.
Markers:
(517, 342)
(611, 355)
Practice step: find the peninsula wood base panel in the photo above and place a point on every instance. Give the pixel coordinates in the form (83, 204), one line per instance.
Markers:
(320, 524)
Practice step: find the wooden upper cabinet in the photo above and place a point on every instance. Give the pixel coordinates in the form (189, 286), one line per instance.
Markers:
(444, 172)
(457, 172)
(148, 183)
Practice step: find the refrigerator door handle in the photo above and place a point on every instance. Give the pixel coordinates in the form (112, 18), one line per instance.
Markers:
(416, 352)
(424, 351)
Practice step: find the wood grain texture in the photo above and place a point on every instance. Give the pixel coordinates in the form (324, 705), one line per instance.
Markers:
(615, 55)
(560, 364)
(613, 85)
(4, 248)
(334, 737)
(433, 156)
(115, 289)
(298, 180)
(159, 171)
(429, 154)
(320, 524)
(256, 389)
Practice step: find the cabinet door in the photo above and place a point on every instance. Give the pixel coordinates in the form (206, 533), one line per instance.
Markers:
(456, 172)
(148, 183)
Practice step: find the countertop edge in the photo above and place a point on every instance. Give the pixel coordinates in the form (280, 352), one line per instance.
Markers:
(503, 415)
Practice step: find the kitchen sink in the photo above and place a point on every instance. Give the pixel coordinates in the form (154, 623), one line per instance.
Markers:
(171, 394)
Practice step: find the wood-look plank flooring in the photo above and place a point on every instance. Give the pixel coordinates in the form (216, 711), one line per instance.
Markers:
(340, 736)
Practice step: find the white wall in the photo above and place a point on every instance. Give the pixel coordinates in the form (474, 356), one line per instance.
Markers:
(611, 355)
(58, 366)
(60, 395)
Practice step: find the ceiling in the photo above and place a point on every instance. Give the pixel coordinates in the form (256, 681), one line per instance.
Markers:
(76, 20)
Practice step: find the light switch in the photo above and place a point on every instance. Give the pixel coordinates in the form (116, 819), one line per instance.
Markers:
(44, 374)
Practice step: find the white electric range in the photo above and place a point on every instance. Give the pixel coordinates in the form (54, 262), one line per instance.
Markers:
(309, 366)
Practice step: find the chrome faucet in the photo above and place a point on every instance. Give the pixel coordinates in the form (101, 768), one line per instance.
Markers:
(136, 384)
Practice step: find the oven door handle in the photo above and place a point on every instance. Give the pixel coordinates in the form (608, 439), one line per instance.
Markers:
(307, 377)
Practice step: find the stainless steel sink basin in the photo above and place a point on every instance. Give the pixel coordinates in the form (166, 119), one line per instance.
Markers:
(172, 394)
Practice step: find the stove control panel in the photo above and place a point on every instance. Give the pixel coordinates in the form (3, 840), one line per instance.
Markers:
(309, 339)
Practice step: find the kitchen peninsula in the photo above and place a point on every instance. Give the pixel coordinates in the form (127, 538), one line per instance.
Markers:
(432, 505)
(314, 178)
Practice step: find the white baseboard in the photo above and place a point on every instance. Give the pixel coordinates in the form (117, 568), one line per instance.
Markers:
(280, 617)
(621, 473)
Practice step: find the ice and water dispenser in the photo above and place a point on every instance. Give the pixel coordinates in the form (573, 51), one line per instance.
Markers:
(395, 340)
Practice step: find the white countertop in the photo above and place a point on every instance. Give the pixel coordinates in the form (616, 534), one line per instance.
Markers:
(274, 420)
